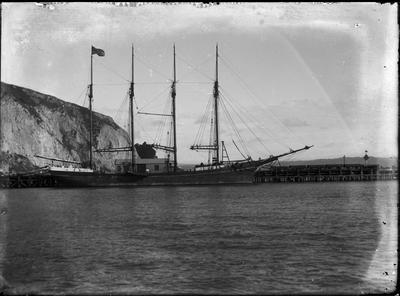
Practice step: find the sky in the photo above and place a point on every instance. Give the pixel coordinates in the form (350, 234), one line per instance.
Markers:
(290, 74)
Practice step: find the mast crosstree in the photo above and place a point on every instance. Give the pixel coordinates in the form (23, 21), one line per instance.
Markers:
(173, 95)
(100, 53)
(173, 115)
(215, 145)
(131, 97)
(216, 99)
(90, 110)
(218, 157)
(130, 148)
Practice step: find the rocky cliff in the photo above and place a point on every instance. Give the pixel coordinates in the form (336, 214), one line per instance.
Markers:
(33, 123)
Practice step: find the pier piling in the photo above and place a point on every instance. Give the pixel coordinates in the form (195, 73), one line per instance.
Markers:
(324, 173)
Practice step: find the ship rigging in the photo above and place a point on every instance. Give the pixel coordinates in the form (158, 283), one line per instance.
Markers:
(218, 154)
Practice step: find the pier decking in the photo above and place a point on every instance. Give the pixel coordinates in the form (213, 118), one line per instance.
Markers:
(324, 173)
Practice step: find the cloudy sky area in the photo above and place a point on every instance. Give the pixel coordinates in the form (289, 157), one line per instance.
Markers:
(321, 74)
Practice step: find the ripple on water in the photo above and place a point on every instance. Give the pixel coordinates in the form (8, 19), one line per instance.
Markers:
(272, 238)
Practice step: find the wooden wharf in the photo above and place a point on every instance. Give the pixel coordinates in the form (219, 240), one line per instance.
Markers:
(27, 181)
(324, 173)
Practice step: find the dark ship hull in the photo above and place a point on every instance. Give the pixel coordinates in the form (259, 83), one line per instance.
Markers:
(209, 177)
(94, 179)
(237, 173)
(212, 177)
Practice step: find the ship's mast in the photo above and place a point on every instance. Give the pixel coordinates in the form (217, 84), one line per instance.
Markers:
(214, 146)
(216, 98)
(131, 96)
(173, 148)
(90, 107)
(100, 53)
(173, 95)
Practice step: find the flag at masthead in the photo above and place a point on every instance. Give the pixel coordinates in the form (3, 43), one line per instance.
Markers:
(98, 51)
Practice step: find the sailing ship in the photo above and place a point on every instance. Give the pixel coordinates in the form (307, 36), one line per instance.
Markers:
(218, 171)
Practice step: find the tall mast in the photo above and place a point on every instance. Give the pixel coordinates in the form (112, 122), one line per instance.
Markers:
(216, 97)
(173, 95)
(131, 96)
(215, 145)
(90, 108)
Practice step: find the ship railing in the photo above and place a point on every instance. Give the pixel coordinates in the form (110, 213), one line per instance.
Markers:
(70, 169)
(209, 167)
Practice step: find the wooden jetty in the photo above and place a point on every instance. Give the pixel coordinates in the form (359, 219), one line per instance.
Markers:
(324, 173)
(27, 181)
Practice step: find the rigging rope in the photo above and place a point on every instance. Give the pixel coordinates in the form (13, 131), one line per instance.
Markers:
(233, 125)
(110, 84)
(169, 137)
(151, 67)
(210, 152)
(122, 112)
(77, 99)
(260, 124)
(245, 123)
(248, 89)
(113, 71)
(142, 129)
(194, 68)
(243, 143)
(238, 149)
(156, 82)
(195, 82)
(161, 127)
(203, 121)
(154, 98)
(86, 96)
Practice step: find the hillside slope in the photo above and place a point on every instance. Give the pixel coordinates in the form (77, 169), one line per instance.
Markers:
(35, 123)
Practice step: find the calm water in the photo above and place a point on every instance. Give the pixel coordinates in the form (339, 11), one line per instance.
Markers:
(270, 238)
